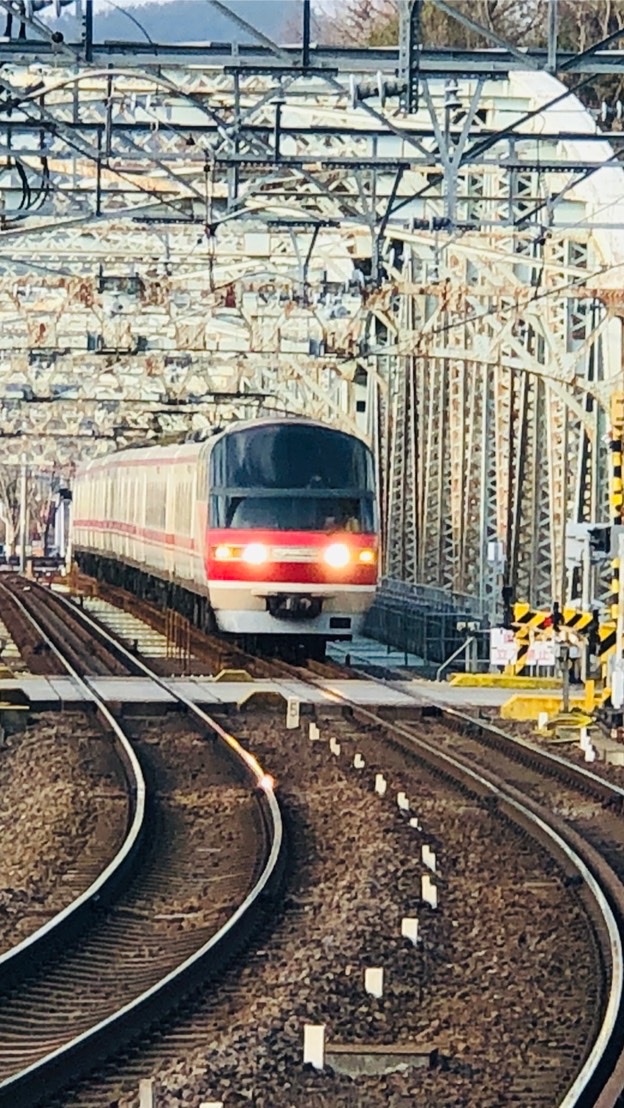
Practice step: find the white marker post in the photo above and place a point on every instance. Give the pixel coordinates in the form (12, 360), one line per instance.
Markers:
(409, 929)
(429, 891)
(313, 733)
(380, 784)
(147, 1093)
(403, 802)
(374, 981)
(292, 712)
(428, 857)
(314, 1045)
(358, 761)
(334, 746)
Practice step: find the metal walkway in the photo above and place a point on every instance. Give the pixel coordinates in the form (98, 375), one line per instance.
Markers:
(56, 691)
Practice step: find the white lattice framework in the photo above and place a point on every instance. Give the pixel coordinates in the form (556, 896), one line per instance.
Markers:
(507, 359)
(184, 247)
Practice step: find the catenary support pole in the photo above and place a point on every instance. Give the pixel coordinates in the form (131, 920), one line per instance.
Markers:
(23, 516)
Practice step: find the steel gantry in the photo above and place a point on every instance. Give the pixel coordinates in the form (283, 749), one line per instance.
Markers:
(422, 243)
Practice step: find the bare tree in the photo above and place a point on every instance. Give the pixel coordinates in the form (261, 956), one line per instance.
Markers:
(582, 23)
(292, 28)
(376, 22)
(360, 23)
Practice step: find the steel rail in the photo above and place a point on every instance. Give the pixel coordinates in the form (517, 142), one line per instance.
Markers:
(262, 779)
(566, 841)
(54, 1071)
(582, 1092)
(24, 952)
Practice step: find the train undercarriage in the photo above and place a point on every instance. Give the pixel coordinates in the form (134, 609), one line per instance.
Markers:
(295, 646)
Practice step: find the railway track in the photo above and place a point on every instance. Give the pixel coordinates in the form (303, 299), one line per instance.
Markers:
(485, 870)
(585, 810)
(194, 878)
(513, 784)
(356, 865)
(64, 814)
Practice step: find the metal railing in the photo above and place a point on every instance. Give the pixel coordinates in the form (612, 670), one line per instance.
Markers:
(423, 621)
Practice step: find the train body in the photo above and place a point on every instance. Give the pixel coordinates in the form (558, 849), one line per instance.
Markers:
(269, 528)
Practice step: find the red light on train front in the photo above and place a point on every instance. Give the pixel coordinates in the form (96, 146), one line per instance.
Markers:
(367, 557)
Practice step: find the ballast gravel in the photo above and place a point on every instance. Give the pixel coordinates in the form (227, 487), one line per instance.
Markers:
(62, 812)
(503, 983)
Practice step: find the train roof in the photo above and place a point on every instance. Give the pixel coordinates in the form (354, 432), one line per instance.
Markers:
(194, 450)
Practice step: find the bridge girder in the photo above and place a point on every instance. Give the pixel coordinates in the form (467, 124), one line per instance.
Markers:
(187, 235)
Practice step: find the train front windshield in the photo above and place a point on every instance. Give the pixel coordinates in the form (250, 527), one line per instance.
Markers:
(292, 477)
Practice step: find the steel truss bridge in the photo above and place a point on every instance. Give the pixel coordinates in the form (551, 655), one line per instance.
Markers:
(425, 244)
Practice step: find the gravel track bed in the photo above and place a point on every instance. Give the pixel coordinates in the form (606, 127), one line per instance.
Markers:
(570, 750)
(34, 654)
(63, 813)
(602, 825)
(492, 985)
(200, 859)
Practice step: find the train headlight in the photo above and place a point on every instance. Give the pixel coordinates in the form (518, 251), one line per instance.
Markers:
(223, 553)
(255, 554)
(337, 555)
(367, 557)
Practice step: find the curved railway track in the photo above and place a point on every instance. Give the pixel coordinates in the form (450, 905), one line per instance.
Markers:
(578, 819)
(584, 810)
(193, 879)
(513, 783)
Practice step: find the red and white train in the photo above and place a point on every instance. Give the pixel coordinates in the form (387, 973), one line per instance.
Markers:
(267, 529)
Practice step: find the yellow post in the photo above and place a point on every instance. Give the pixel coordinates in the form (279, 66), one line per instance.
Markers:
(616, 495)
(617, 509)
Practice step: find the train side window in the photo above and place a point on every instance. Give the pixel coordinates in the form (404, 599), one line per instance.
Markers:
(148, 500)
(155, 505)
(183, 499)
(161, 498)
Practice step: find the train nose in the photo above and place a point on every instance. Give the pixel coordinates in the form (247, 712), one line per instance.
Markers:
(294, 606)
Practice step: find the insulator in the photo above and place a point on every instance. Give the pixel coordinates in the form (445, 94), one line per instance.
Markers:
(604, 112)
(381, 88)
(619, 109)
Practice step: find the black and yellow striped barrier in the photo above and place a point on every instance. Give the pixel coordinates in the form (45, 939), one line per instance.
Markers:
(606, 635)
(526, 619)
(530, 625)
